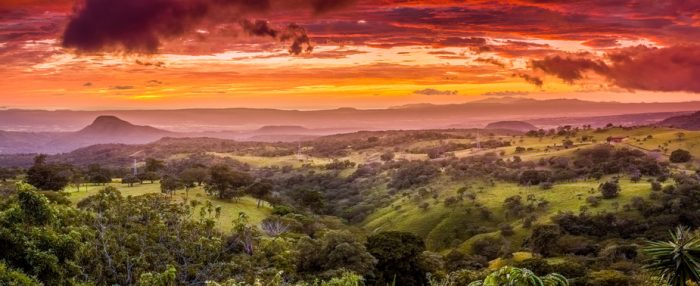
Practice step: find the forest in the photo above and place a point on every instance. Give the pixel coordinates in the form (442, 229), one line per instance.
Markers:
(553, 207)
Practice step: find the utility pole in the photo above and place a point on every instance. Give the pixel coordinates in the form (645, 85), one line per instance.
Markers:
(478, 141)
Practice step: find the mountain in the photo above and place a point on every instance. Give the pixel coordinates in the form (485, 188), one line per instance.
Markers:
(112, 126)
(512, 125)
(281, 129)
(417, 116)
(688, 122)
(104, 129)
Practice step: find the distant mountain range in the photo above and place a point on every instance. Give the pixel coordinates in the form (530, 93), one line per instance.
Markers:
(108, 129)
(419, 116)
(38, 131)
(104, 129)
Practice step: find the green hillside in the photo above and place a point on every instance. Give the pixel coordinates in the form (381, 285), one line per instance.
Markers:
(229, 209)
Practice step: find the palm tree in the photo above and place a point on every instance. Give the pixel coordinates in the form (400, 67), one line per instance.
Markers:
(677, 261)
(520, 277)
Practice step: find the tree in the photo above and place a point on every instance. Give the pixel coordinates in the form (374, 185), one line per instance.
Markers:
(37, 238)
(225, 183)
(49, 177)
(77, 179)
(534, 177)
(190, 176)
(609, 189)
(680, 156)
(259, 190)
(165, 232)
(521, 277)
(6, 174)
(15, 278)
(98, 175)
(397, 255)
(334, 251)
(170, 184)
(130, 180)
(148, 176)
(680, 136)
(153, 165)
(543, 239)
(677, 261)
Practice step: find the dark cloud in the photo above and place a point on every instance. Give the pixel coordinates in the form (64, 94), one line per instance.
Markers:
(122, 87)
(491, 61)
(139, 26)
(432, 91)
(154, 82)
(569, 69)
(258, 28)
(601, 43)
(505, 93)
(674, 68)
(148, 63)
(530, 78)
(461, 42)
(87, 84)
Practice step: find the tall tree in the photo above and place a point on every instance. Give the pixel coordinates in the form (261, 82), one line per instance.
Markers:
(260, 190)
(50, 177)
(170, 184)
(397, 255)
(154, 165)
(226, 183)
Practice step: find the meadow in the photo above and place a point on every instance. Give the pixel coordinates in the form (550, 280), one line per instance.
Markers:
(230, 209)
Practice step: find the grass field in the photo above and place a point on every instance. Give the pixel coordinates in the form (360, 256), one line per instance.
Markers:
(443, 226)
(229, 209)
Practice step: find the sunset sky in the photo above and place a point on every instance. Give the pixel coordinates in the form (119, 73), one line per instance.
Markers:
(318, 54)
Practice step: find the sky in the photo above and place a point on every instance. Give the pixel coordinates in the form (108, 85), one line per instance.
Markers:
(324, 54)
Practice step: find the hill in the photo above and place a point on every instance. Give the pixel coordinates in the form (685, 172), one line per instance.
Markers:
(688, 122)
(512, 125)
(103, 130)
(421, 116)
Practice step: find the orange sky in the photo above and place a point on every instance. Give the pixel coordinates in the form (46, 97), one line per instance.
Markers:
(366, 54)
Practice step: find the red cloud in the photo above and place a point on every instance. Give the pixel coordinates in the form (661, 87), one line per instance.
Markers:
(656, 69)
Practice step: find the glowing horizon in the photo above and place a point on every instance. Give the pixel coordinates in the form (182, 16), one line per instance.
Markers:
(366, 54)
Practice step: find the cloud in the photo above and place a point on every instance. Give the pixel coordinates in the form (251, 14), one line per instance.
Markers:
(154, 82)
(87, 84)
(491, 61)
(674, 68)
(138, 26)
(601, 43)
(505, 93)
(569, 69)
(122, 87)
(530, 78)
(432, 91)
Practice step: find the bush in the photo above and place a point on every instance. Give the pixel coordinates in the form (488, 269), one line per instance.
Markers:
(609, 189)
(506, 229)
(608, 278)
(488, 247)
(593, 201)
(680, 156)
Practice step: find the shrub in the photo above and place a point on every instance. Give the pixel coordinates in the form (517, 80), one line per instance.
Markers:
(680, 156)
(593, 201)
(608, 278)
(609, 189)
